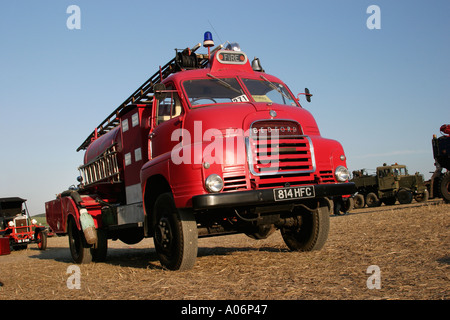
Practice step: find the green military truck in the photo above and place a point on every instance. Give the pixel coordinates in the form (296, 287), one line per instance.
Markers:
(389, 184)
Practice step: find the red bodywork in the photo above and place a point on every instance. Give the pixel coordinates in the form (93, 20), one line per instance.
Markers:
(127, 166)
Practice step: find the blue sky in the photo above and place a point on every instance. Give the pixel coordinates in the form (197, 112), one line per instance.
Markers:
(382, 93)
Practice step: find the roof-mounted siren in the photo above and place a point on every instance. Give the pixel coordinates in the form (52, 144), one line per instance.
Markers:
(234, 46)
(208, 41)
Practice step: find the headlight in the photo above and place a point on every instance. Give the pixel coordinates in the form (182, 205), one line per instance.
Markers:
(214, 183)
(341, 174)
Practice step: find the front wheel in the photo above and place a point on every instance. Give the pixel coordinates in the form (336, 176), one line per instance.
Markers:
(41, 239)
(422, 197)
(404, 196)
(175, 234)
(312, 232)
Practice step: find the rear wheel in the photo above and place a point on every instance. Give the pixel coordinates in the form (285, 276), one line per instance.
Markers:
(390, 201)
(445, 187)
(312, 232)
(100, 249)
(359, 201)
(372, 200)
(343, 206)
(176, 234)
(79, 248)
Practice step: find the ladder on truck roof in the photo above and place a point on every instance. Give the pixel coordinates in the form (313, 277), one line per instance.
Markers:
(186, 59)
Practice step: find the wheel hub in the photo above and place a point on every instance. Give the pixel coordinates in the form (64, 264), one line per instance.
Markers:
(163, 234)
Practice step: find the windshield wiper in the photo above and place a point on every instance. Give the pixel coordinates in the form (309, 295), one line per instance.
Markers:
(224, 83)
(273, 86)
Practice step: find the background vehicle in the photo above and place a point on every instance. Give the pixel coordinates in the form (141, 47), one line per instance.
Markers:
(439, 185)
(389, 184)
(17, 225)
(209, 145)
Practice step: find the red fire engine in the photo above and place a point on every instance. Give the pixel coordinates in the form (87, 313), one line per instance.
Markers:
(209, 145)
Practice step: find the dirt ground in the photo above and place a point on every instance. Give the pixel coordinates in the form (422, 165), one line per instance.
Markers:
(405, 247)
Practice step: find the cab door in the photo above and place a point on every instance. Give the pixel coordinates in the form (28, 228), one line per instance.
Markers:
(168, 117)
(386, 179)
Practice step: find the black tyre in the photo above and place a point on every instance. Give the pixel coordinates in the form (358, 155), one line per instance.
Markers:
(312, 232)
(343, 206)
(445, 187)
(15, 246)
(390, 201)
(175, 234)
(41, 239)
(100, 249)
(79, 248)
(349, 204)
(372, 200)
(404, 196)
(338, 208)
(358, 201)
(422, 197)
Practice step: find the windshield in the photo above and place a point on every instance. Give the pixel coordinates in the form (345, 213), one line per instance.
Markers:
(400, 171)
(228, 90)
(267, 91)
(214, 90)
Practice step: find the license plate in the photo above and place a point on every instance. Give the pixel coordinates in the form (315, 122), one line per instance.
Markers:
(290, 193)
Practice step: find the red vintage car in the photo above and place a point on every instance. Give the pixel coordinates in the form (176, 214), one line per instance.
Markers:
(17, 225)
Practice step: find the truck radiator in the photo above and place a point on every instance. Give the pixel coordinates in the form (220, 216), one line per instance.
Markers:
(284, 155)
(21, 225)
(104, 168)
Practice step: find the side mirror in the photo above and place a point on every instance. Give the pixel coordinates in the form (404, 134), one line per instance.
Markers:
(159, 90)
(308, 95)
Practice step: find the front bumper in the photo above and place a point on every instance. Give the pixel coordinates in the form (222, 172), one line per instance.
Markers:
(265, 196)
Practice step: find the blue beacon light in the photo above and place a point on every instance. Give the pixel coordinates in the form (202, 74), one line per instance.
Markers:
(208, 41)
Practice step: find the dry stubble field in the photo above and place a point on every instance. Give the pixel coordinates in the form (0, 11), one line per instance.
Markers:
(410, 245)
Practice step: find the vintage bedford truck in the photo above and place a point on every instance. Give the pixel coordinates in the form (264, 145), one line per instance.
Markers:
(209, 145)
